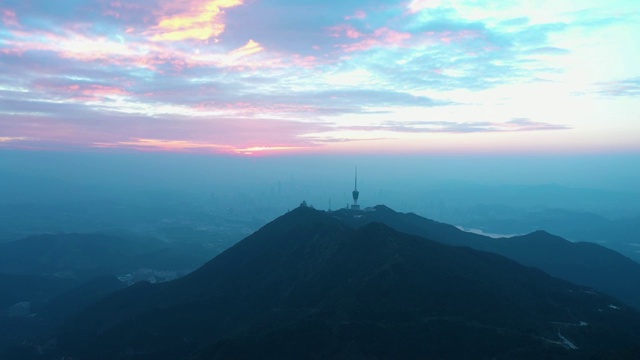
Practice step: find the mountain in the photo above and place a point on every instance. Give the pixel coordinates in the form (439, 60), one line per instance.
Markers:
(70, 303)
(308, 285)
(21, 296)
(85, 256)
(31, 288)
(621, 234)
(32, 305)
(582, 263)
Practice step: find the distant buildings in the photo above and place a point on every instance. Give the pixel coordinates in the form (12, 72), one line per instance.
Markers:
(150, 275)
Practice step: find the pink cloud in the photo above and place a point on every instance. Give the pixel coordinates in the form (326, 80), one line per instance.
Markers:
(79, 91)
(139, 53)
(120, 9)
(305, 61)
(192, 146)
(113, 13)
(163, 145)
(123, 7)
(9, 18)
(154, 40)
(224, 135)
(359, 15)
(70, 44)
(386, 37)
(450, 36)
(382, 37)
(345, 30)
(95, 91)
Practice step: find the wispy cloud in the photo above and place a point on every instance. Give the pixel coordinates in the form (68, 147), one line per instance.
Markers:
(513, 125)
(215, 75)
(109, 129)
(626, 87)
(6, 139)
(191, 146)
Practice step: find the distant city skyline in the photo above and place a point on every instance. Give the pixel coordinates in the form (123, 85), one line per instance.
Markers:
(248, 77)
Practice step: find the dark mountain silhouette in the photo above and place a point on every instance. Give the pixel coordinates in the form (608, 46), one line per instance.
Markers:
(72, 302)
(307, 285)
(35, 289)
(52, 302)
(582, 263)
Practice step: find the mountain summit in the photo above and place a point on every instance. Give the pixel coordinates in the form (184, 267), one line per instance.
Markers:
(308, 285)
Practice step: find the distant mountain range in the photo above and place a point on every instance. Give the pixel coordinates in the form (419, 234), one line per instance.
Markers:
(582, 263)
(622, 234)
(332, 285)
(46, 279)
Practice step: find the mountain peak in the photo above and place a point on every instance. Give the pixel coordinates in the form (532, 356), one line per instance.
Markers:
(310, 285)
(542, 233)
(542, 237)
(382, 207)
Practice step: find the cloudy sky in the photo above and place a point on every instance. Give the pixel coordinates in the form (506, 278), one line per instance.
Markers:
(362, 76)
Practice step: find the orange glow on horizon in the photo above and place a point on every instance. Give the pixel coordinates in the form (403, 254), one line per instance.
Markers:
(186, 146)
(266, 149)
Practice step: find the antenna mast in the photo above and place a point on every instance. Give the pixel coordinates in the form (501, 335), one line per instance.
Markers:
(355, 193)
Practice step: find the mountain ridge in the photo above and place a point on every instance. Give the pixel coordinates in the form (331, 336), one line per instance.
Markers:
(338, 291)
(582, 263)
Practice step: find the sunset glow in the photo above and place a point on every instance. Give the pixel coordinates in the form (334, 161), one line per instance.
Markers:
(260, 77)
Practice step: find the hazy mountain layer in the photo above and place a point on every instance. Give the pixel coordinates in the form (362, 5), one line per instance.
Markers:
(582, 263)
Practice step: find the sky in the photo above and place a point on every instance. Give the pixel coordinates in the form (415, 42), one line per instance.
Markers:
(250, 77)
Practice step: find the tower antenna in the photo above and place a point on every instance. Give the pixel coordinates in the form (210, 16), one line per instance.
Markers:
(355, 193)
(355, 187)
